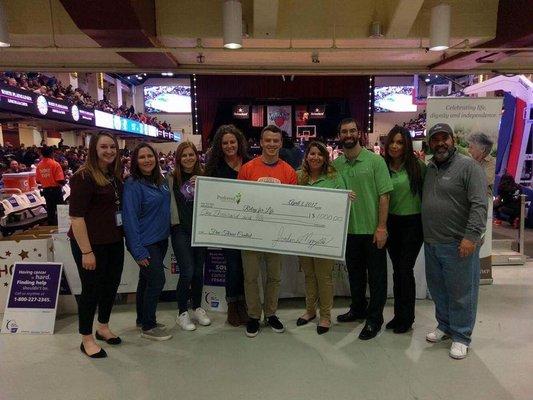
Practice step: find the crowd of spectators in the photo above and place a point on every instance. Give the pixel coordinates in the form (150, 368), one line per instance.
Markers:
(416, 124)
(52, 87)
(22, 159)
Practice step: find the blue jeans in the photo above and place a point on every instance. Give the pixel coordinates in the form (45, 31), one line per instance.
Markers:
(191, 263)
(234, 275)
(151, 284)
(453, 282)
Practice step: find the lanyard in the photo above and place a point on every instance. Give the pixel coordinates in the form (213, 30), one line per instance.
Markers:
(115, 189)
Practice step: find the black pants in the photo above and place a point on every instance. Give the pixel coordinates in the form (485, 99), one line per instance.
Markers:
(53, 197)
(234, 275)
(365, 262)
(151, 284)
(191, 262)
(405, 240)
(99, 286)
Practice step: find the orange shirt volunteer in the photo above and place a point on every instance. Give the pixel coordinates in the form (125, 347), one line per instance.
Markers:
(49, 173)
(257, 170)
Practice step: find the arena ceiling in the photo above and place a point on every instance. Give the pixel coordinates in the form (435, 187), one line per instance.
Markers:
(185, 36)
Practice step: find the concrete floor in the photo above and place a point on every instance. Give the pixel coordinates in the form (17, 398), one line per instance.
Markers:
(505, 231)
(219, 362)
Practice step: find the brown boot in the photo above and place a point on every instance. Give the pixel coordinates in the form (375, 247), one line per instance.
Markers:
(243, 312)
(233, 314)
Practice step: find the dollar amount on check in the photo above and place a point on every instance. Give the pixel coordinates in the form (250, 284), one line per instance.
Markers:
(285, 219)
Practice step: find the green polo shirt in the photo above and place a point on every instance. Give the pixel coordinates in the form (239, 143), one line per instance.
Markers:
(402, 200)
(328, 182)
(368, 176)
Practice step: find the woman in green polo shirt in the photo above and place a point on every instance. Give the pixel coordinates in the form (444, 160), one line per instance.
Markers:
(404, 223)
(317, 171)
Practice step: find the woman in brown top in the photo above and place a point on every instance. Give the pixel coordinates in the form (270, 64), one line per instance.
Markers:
(96, 239)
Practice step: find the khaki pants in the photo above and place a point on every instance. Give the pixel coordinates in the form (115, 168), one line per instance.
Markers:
(318, 285)
(251, 261)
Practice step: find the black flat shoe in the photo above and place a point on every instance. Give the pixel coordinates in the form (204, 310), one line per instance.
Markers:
(303, 321)
(321, 329)
(113, 341)
(402, 328)
(369, 332)
(100, 354)
(351, 316)
(392, 324)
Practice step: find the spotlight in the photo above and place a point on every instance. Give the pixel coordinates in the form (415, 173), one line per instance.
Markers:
(314, 58)
(232, 24)
(439, 28)
(427, 80)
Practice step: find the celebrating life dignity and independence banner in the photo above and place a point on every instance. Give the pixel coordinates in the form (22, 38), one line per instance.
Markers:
(284, 219)
(467, 116)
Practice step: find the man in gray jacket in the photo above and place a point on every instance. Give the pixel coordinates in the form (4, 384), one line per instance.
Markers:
(454, 215)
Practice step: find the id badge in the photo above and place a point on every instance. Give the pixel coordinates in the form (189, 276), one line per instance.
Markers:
(118, 218)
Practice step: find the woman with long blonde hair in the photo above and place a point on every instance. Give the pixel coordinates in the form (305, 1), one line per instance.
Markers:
(190, 259)
(96, 239)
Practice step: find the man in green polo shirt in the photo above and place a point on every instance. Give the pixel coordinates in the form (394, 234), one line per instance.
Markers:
(367, 175)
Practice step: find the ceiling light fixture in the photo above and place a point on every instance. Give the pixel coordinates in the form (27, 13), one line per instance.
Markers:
(232, 24)
(4, 34)
(439, 27)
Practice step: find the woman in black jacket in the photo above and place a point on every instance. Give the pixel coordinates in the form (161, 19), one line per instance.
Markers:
(227, 154)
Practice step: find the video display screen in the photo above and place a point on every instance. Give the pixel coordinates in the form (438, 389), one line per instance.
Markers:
(167, 99)
(394, 99)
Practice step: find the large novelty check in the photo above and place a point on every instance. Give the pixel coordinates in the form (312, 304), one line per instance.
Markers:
(286, 219)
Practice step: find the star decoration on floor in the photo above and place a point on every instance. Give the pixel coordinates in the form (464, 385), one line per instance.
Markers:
(23, 254)
(39, 255)
(8, 253)
(5, 284)
(34, 249)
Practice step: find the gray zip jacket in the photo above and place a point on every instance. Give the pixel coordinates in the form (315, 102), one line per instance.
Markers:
(454, 201)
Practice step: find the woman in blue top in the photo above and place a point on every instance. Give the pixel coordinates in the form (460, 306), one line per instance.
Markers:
(146, 224)
(404, 223)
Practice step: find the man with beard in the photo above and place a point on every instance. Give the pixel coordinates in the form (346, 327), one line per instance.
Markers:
(454, 215)
(367, 175)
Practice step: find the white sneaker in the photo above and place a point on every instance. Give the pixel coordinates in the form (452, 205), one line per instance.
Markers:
(458, 350)
(201, 316)
(436, 336)
(184, 321)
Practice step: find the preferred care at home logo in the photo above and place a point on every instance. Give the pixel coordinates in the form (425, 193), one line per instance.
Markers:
(12, 326)
(212, 299)
(236, 198)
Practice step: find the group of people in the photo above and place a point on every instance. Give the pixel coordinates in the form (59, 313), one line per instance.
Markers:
(398, 204)
(53, 88)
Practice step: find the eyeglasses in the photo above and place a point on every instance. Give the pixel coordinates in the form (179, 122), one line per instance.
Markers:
(353, 130)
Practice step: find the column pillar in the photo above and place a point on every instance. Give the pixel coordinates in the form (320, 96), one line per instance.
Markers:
(95, 85)
(118, 88)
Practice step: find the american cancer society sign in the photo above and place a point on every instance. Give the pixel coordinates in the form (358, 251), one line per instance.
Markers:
(32, 301)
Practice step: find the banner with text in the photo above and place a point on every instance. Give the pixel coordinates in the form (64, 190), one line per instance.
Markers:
(280, 116)
(32, 300)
